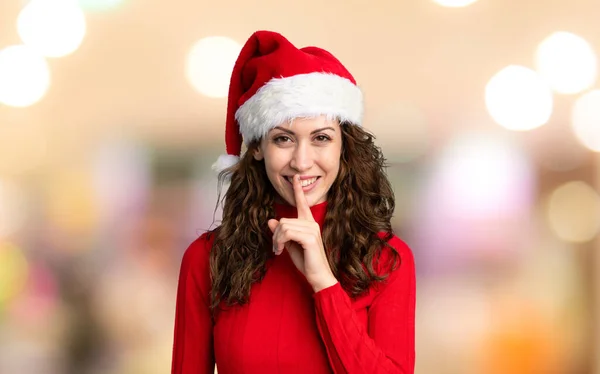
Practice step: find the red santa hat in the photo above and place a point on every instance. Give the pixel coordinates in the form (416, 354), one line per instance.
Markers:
(274, 82)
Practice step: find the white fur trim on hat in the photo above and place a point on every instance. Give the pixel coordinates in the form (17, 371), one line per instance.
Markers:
(304, 95)
(225, 161)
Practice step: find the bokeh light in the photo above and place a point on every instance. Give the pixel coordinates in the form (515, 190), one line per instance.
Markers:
(55, 28)
(13, 272)
(567, 62)
(585, 119)
(521, 338)
(24, 76)
(477, 198)
(39, 296)
(210, 63)
(517, 98)
(481, 174)
(574, 212)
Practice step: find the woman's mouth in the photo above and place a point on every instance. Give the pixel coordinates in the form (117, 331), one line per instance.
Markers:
(307, 184)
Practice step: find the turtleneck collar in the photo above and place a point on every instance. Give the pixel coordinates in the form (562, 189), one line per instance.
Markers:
(284, 210)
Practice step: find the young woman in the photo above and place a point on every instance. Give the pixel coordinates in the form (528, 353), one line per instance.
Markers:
(304, 274)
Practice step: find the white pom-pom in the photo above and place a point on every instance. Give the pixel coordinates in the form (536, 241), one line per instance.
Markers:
(225, 161)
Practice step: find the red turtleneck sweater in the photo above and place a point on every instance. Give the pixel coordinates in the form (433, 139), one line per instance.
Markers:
(287, 328)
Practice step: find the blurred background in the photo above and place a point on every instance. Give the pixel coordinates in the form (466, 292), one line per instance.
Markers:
(112, 111)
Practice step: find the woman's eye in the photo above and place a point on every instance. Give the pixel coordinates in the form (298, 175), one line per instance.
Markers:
(281, 139)
(322, 138)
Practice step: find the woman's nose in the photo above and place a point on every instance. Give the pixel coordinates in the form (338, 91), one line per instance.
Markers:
(303, 157)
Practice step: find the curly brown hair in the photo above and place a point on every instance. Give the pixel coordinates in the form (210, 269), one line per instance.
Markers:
(360, 206)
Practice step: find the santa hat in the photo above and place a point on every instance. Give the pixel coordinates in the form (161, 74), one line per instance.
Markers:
(274, 82)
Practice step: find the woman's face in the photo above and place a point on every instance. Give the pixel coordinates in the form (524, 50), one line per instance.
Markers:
(310, 147)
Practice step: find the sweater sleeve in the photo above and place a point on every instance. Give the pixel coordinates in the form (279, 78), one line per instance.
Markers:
(193, 340)
(387, 343)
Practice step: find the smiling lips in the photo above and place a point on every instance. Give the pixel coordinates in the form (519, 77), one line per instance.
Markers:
(304, 182)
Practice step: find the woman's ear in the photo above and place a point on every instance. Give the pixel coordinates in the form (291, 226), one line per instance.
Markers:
(258, 154)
